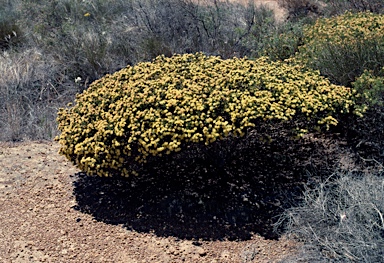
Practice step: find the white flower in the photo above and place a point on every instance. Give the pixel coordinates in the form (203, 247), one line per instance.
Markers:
(343, 217)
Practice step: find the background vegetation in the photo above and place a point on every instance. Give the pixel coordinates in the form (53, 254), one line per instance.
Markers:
(52, 50)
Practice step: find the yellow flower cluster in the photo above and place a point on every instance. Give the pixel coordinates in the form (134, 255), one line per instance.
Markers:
(347, 30)
(157, 107)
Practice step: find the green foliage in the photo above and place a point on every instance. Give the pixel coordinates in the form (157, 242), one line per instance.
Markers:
(157, 107)
(285, 42)
(370, 88)
(343, 47)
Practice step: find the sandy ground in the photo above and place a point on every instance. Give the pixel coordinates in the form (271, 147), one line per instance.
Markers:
(38, 222)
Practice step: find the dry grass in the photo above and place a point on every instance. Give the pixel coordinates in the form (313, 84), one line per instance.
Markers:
(341, 219)
(31, 95)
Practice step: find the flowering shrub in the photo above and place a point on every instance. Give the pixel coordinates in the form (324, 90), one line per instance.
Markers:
(342, 47)
(157, 107)
(350, 28)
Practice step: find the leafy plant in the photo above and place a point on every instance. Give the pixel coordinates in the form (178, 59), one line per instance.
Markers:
(370, 88)
(285, 42)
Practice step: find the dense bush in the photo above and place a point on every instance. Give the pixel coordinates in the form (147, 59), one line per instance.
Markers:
(341, 220)
(343, 47)
(155, 108)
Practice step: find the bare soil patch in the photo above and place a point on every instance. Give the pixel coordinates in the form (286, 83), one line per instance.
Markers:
(40, 220)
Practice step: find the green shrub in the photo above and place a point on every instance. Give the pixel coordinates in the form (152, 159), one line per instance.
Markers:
(370, 88)
(342, 47)
(157, 107)
(285, 42)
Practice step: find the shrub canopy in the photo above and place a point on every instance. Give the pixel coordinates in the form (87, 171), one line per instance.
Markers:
(348, 28)
(157, 107)
(342, 47)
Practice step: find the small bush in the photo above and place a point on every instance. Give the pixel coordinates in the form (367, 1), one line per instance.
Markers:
(343, 47)
(341, 220)
(284, 42)
(157, 107)
(370, 88)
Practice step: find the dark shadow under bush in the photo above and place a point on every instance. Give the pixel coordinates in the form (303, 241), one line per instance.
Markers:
(235, 188)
